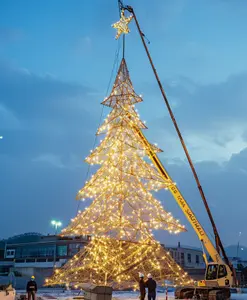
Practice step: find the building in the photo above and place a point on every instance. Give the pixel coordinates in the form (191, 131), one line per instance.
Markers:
(190, 259)
(238, 263)
(240, 266)
(36, 254)
(35, 248)
(187, 257)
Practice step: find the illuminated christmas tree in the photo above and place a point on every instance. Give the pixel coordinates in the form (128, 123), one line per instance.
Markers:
(123, 212)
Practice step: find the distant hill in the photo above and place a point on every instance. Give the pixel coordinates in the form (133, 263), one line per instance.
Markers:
(232, 251)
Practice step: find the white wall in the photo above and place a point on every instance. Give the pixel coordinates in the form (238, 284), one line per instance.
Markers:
(177, 256)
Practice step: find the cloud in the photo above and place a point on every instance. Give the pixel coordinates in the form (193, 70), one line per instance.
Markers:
(51, 159)
(46, 110)
(223, 102)
(238, 161)
(223, 186)
(31, 95)
(48, 128)
(70, 162)
(211, 117)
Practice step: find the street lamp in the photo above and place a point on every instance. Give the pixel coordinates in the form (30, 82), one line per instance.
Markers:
(56, 224)
(239, 242)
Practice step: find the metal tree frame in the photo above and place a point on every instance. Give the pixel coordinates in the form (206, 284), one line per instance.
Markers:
(124, 212)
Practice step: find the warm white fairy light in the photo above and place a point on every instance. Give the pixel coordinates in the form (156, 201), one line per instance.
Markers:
(123, 207)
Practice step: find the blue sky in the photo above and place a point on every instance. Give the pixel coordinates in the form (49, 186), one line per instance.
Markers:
(56, 59)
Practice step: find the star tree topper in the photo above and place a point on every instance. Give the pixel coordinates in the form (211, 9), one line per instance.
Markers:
(122, 24)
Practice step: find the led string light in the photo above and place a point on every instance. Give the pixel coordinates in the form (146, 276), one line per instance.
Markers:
(123, 212)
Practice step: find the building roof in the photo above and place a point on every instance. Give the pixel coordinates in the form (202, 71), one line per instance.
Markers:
(184, 247)
(25, 238)
(33, 238)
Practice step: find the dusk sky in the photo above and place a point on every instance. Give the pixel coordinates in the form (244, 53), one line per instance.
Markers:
(56, 60)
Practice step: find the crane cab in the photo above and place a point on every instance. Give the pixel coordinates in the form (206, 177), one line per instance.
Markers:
(218, 275)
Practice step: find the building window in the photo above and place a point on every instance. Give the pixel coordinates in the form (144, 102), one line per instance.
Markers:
(35, 251)
(212, 272)
(189, 258)
(10, 253)
(20, 260)
(62, 250)
(197, 259)
(30, 260)
(41, 260)
(182, 258)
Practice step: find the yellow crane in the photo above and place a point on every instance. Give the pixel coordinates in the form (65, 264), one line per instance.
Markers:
(220, 274)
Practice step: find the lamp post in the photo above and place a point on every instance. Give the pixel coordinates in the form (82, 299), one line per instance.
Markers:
(56, 224)
(238, 242)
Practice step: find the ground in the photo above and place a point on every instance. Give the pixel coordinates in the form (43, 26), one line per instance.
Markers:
(50, 294)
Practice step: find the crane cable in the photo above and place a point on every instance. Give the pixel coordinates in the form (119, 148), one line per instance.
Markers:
(218, 242)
